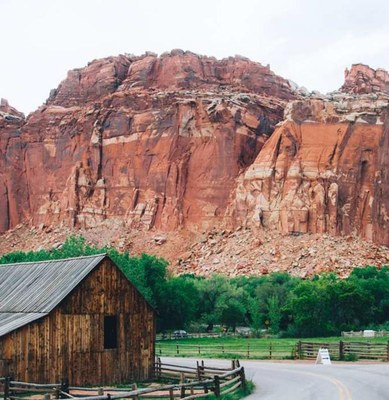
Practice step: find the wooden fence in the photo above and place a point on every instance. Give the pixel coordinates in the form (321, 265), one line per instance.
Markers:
(193, 382)
(360, 334)
(344, 350)
(171, 336)
(275, 350)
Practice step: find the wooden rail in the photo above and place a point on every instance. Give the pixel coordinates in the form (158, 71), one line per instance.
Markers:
(272, 350)
(171, 336)
(344, 350)
(361, 333)
(193, 382)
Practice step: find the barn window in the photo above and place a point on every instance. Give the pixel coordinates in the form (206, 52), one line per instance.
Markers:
(110, 332)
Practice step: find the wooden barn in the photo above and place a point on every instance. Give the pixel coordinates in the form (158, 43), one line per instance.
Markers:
(78, 318)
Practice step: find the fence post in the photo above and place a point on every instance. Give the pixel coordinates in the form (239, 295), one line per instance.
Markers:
(217, 385)
(182, 391)
(159, 368)
(198, 371)
(248, 350)
(199, 350)
(171, 394)
(135, 387)
(270, 351)
(242, 378)
(341, 350)
(178, 349)
(202, 369)
(387, 352)
(7, 382)
(299, 350)
(64, 387)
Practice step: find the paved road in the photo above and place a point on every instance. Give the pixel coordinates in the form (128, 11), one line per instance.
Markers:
(307, 381)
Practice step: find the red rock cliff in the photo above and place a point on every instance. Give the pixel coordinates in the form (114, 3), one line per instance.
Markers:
(362, 79)
(13, 201)
(150, 141)
(325, 169)
(185, 141)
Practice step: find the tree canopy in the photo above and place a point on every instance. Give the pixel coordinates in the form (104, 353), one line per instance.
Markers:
(320, 306)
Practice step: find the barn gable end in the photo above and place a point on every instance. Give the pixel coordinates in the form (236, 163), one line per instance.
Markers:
(102, 331)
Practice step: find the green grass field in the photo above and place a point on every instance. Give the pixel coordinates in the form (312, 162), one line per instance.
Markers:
(231, 347)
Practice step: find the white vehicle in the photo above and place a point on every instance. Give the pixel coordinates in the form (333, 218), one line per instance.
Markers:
(180, 334)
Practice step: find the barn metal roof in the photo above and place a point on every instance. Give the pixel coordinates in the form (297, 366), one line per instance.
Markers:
(29, 291)
(11, 321)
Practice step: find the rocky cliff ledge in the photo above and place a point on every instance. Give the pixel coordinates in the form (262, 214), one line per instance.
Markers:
(361, 79)
(254, 173)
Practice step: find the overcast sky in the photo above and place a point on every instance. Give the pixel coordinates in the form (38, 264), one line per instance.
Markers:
(308, 41)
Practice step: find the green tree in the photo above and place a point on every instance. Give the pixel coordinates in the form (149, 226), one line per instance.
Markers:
(232, 313)
(210, 291)
(178, 303)
(274, 313)
(276, 285)
(309, 310)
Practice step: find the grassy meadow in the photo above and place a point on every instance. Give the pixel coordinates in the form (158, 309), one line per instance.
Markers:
(242, 348)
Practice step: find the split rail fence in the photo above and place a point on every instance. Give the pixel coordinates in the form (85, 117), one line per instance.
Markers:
(171, 336)
(192, 383)
(361, 334)
(344, 350)
(269, 351)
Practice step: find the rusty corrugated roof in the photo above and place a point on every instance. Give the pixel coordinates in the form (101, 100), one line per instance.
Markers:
(29, 291)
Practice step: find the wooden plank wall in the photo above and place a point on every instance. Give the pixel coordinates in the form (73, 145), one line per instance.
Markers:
(70, 341)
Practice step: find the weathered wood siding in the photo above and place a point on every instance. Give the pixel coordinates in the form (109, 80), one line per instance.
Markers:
(69, 342)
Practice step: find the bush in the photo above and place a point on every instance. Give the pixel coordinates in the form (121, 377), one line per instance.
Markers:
(351, 357)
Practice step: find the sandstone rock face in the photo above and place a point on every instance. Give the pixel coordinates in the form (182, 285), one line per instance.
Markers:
(362, 79)
(13, 201)
(325, 169)
(191, 143)
(151, 141)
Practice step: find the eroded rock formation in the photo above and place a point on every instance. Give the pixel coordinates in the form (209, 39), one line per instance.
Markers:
(152, 141)
(182, 141)
(362, 79)
(13, 201)
(325, 169)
